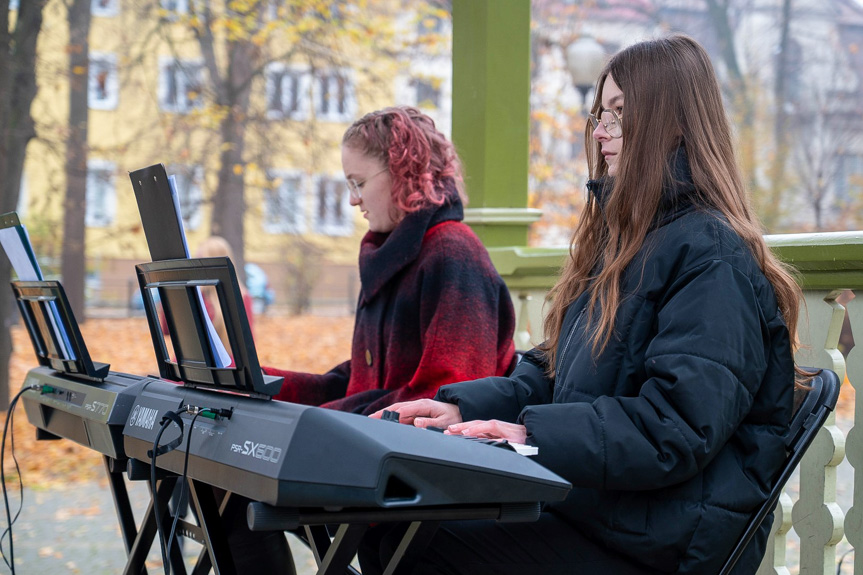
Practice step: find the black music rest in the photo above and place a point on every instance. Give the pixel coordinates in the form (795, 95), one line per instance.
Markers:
(194, 359)
(80, 399)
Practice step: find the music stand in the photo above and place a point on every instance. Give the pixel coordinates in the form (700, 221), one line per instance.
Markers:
(86, 403)
(37, 301)
(193, 363)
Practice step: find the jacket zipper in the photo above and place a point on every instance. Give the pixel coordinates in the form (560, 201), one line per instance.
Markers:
(568, 340)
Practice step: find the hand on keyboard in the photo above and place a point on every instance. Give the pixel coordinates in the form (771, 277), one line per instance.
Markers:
(519, 448)
(491, 429)
(422, 413)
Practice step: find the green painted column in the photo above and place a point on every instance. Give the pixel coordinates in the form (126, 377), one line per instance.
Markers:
(491, 115)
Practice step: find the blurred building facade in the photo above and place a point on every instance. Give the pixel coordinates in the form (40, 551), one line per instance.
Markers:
(152, 99)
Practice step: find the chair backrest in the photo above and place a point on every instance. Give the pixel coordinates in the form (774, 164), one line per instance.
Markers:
(819, 400)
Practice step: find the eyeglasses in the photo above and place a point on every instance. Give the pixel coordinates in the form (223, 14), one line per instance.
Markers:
(610, 121)
(355, 187)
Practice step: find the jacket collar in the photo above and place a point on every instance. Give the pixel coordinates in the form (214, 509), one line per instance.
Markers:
(678, 193)
(383, 255)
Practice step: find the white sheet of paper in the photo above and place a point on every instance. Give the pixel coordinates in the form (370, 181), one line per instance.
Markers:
(25, 268)
(16, 243)
(217, 346)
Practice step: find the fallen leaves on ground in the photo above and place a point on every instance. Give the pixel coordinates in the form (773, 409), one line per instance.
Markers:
(302, 343)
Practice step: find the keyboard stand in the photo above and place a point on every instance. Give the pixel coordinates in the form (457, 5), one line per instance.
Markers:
(215, 521)
(147, 533)
(211, 533)
(115, 469)
(334, 556)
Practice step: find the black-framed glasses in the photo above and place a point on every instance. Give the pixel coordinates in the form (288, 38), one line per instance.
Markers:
(355, 186)
(610, 120)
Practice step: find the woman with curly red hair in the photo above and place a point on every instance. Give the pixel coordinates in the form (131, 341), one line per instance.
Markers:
(432, 309)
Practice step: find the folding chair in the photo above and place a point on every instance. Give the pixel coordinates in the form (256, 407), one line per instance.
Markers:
(816, 405)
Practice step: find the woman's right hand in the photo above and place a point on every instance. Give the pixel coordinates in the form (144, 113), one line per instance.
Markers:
(424, 413)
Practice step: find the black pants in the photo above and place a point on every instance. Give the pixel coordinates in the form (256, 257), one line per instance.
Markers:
(257, 552)
(548, 546)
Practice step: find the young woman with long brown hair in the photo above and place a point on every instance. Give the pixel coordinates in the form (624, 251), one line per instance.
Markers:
(664, 386)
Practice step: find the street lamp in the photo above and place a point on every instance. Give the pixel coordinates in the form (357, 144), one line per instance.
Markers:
(585, 58)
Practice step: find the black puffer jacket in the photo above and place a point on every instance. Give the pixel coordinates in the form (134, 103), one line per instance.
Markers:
(674, 434)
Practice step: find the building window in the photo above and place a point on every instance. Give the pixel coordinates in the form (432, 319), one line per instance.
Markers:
(103, 86)
(427, 92)
(105, 8)
(287, 92)
(180, 85)
(101, 194)
(334, 96)
(284, 208)
(187, 183)
(332, 207)
(176, 6)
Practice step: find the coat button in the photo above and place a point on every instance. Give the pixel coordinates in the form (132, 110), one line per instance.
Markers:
(368, 358)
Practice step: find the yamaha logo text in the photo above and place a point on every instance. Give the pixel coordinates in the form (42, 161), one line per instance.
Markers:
(258, 451)
(143, 417)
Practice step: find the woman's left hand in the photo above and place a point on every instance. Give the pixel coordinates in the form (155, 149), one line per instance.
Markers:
(491, 429)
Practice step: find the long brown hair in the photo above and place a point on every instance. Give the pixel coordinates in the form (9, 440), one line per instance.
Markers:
(671, 97)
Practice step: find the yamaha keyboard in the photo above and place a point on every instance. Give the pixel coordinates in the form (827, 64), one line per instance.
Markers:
(92, 414)
(299, 466)
(289, 455)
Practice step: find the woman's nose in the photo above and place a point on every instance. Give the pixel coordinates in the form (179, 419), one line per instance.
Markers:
(599, 133)
(355, 201)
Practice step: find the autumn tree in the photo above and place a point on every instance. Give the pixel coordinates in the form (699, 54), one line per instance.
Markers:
(18, 35)
(73, 265)
(239, 42)
(827, 129)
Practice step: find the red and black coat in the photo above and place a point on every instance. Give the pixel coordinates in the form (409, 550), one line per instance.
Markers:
(432, 310)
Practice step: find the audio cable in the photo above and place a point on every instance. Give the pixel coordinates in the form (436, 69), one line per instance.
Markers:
(166, 421)
(10, 560)
(169, 418)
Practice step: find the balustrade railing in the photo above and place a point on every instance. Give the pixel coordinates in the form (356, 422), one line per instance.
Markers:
(830, 268)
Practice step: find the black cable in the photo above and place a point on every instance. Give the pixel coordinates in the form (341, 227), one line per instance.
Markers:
(10, 562)
(167, 419)
(184, 479)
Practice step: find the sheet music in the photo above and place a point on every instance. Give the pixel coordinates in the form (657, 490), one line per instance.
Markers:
(16, 243)
(217, 346)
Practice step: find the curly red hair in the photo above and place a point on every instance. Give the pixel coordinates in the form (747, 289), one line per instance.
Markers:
(419, 158)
